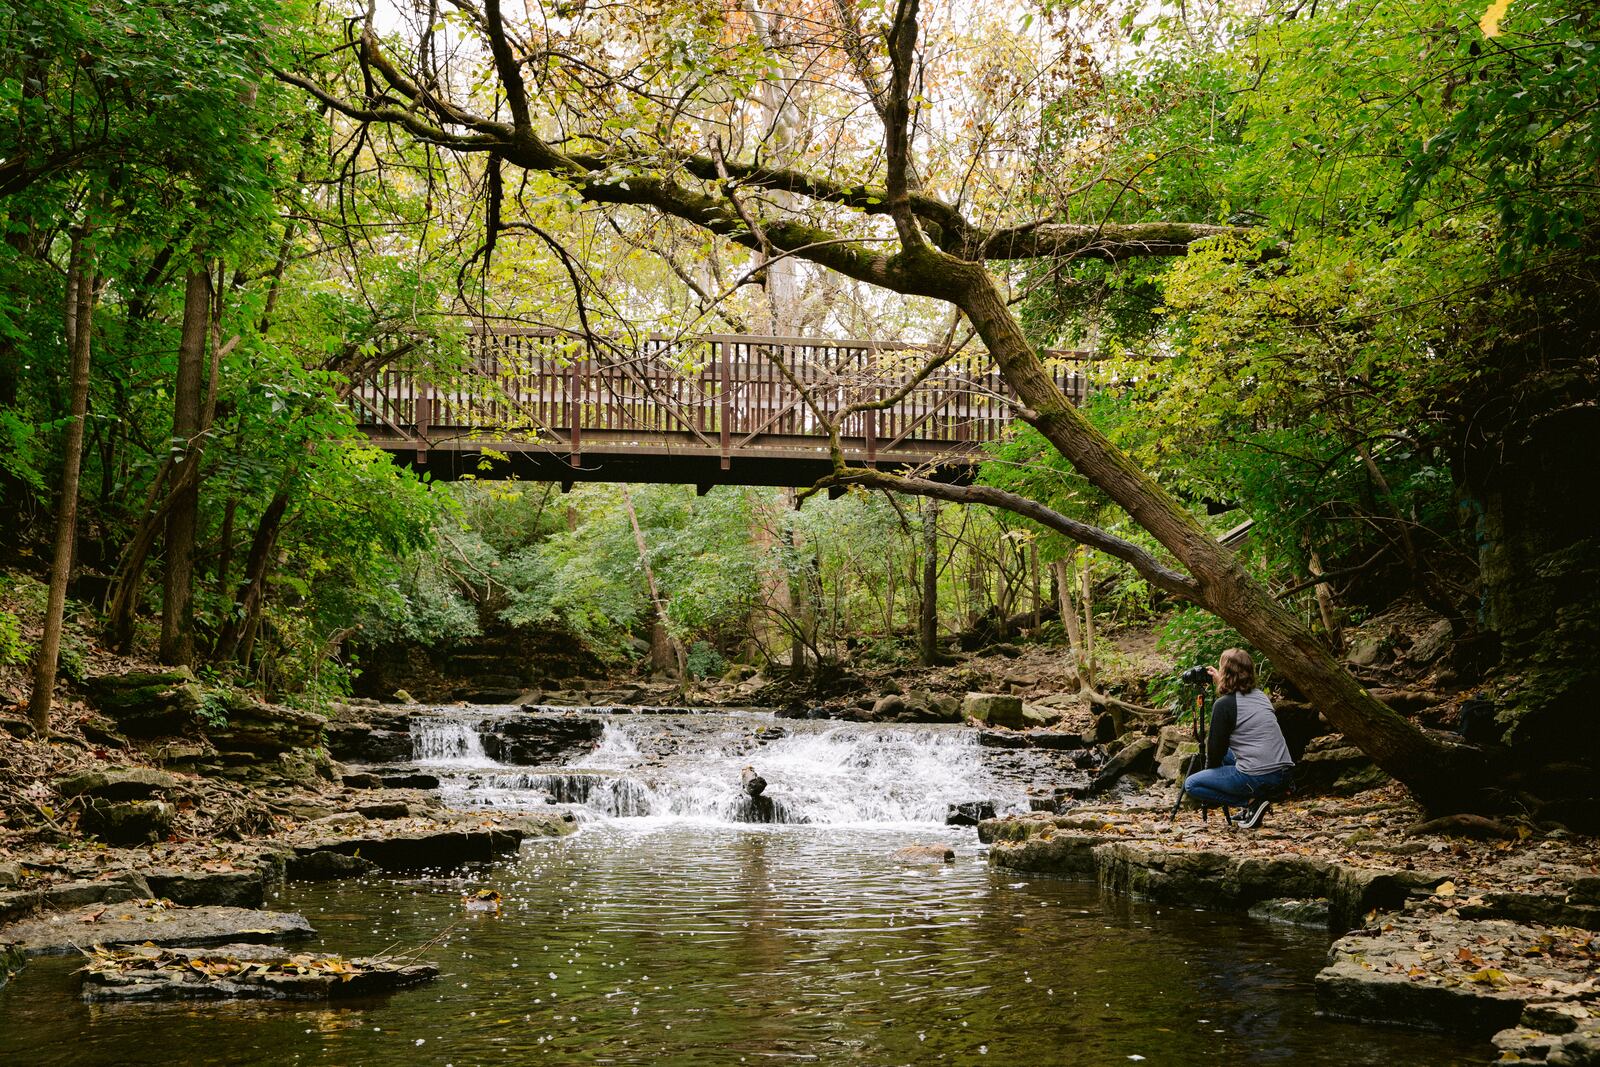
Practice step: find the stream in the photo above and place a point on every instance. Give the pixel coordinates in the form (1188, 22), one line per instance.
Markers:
(683, 926)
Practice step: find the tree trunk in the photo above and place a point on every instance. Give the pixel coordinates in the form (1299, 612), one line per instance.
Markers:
(1443, 775)
(79, 328)
(1086, 598)
(1326, 608)
(929, 629)
(129, 580)
(177, 608)
(666, 651)
(247, 601)
(1069, 619)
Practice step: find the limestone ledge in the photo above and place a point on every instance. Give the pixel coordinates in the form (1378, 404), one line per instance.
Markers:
(1532, 987)
(1089, 847)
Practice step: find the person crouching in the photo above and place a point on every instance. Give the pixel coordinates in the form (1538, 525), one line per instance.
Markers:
(1247, 760)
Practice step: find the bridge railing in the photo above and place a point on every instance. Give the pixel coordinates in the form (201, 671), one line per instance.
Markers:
(722, 393)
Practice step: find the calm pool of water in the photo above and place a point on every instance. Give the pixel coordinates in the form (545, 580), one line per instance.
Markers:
(644, 942)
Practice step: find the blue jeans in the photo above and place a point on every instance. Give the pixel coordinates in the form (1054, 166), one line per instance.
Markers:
(1227, 786)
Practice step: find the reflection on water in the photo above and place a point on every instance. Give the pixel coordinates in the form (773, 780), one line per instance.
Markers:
(646, 942)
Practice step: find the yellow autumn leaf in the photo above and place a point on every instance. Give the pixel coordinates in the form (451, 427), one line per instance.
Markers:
(1445, 889)
(1490, 23)
(1488, 976)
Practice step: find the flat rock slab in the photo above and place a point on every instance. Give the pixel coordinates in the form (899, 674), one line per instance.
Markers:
(229, 888)
(421, 850)
(241, 971)
(1463, 975)
(136, 922)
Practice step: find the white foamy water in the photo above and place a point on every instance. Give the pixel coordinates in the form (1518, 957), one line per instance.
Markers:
(688, 769)
(447, 742)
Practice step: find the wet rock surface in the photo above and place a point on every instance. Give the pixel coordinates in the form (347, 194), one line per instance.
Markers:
(1464, 975)
(138, 921)
(242, 972)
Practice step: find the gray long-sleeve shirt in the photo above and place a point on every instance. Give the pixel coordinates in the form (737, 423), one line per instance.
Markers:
(1246, 723)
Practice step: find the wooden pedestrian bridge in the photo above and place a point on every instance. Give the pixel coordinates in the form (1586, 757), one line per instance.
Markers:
(542, 405)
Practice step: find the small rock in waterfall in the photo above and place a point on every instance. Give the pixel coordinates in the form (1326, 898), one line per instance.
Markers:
(970, 813)
(926, 854)
(753, 783)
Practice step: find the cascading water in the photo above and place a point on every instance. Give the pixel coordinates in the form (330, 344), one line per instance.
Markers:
(687, 767)
(441, 741)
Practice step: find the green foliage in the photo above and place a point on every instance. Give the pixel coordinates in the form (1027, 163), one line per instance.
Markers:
(213, 710)
(1195, 637)
(704, 661)
(13, 649)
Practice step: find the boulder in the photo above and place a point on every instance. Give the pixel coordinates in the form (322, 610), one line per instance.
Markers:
(969, 814)
(996, 709)
(888, 707)
(1174, 767)
(1041, 715)
(148, 704)
(126, 822)
(1136, 756)
(1329, 767)
(118, 783)
(61, 896)
(926, 854)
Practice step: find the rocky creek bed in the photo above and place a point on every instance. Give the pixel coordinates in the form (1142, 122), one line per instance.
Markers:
(194, 837)
(1484, 938)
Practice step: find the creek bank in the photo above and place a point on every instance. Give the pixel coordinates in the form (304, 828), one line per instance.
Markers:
(1480, 937)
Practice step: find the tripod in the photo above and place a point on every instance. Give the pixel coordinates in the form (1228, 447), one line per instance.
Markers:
(1199, 736)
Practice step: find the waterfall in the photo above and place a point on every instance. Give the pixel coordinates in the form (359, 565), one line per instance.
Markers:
(828, 774)
(446, 741)
(687, 767)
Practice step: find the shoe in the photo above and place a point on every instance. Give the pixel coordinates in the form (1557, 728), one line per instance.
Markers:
(1254, 812)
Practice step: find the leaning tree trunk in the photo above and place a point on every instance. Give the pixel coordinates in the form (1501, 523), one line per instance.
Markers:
(79, 327)
(177, 608)
(1441, 774)
(248, 598)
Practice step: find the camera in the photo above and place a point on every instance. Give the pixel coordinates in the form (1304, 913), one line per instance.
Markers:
(1196, 676)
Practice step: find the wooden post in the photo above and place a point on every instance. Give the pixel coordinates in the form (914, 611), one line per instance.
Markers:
(575, 387)
(424, 420)
(726, 404)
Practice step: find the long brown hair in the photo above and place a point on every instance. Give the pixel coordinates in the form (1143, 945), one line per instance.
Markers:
(1238, 672)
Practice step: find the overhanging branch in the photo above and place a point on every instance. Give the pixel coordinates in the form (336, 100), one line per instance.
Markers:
(1149, 568)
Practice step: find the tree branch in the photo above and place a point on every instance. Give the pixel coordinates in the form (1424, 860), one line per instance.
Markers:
(1151, 569)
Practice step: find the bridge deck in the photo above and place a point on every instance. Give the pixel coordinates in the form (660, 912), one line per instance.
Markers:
(707, 410)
